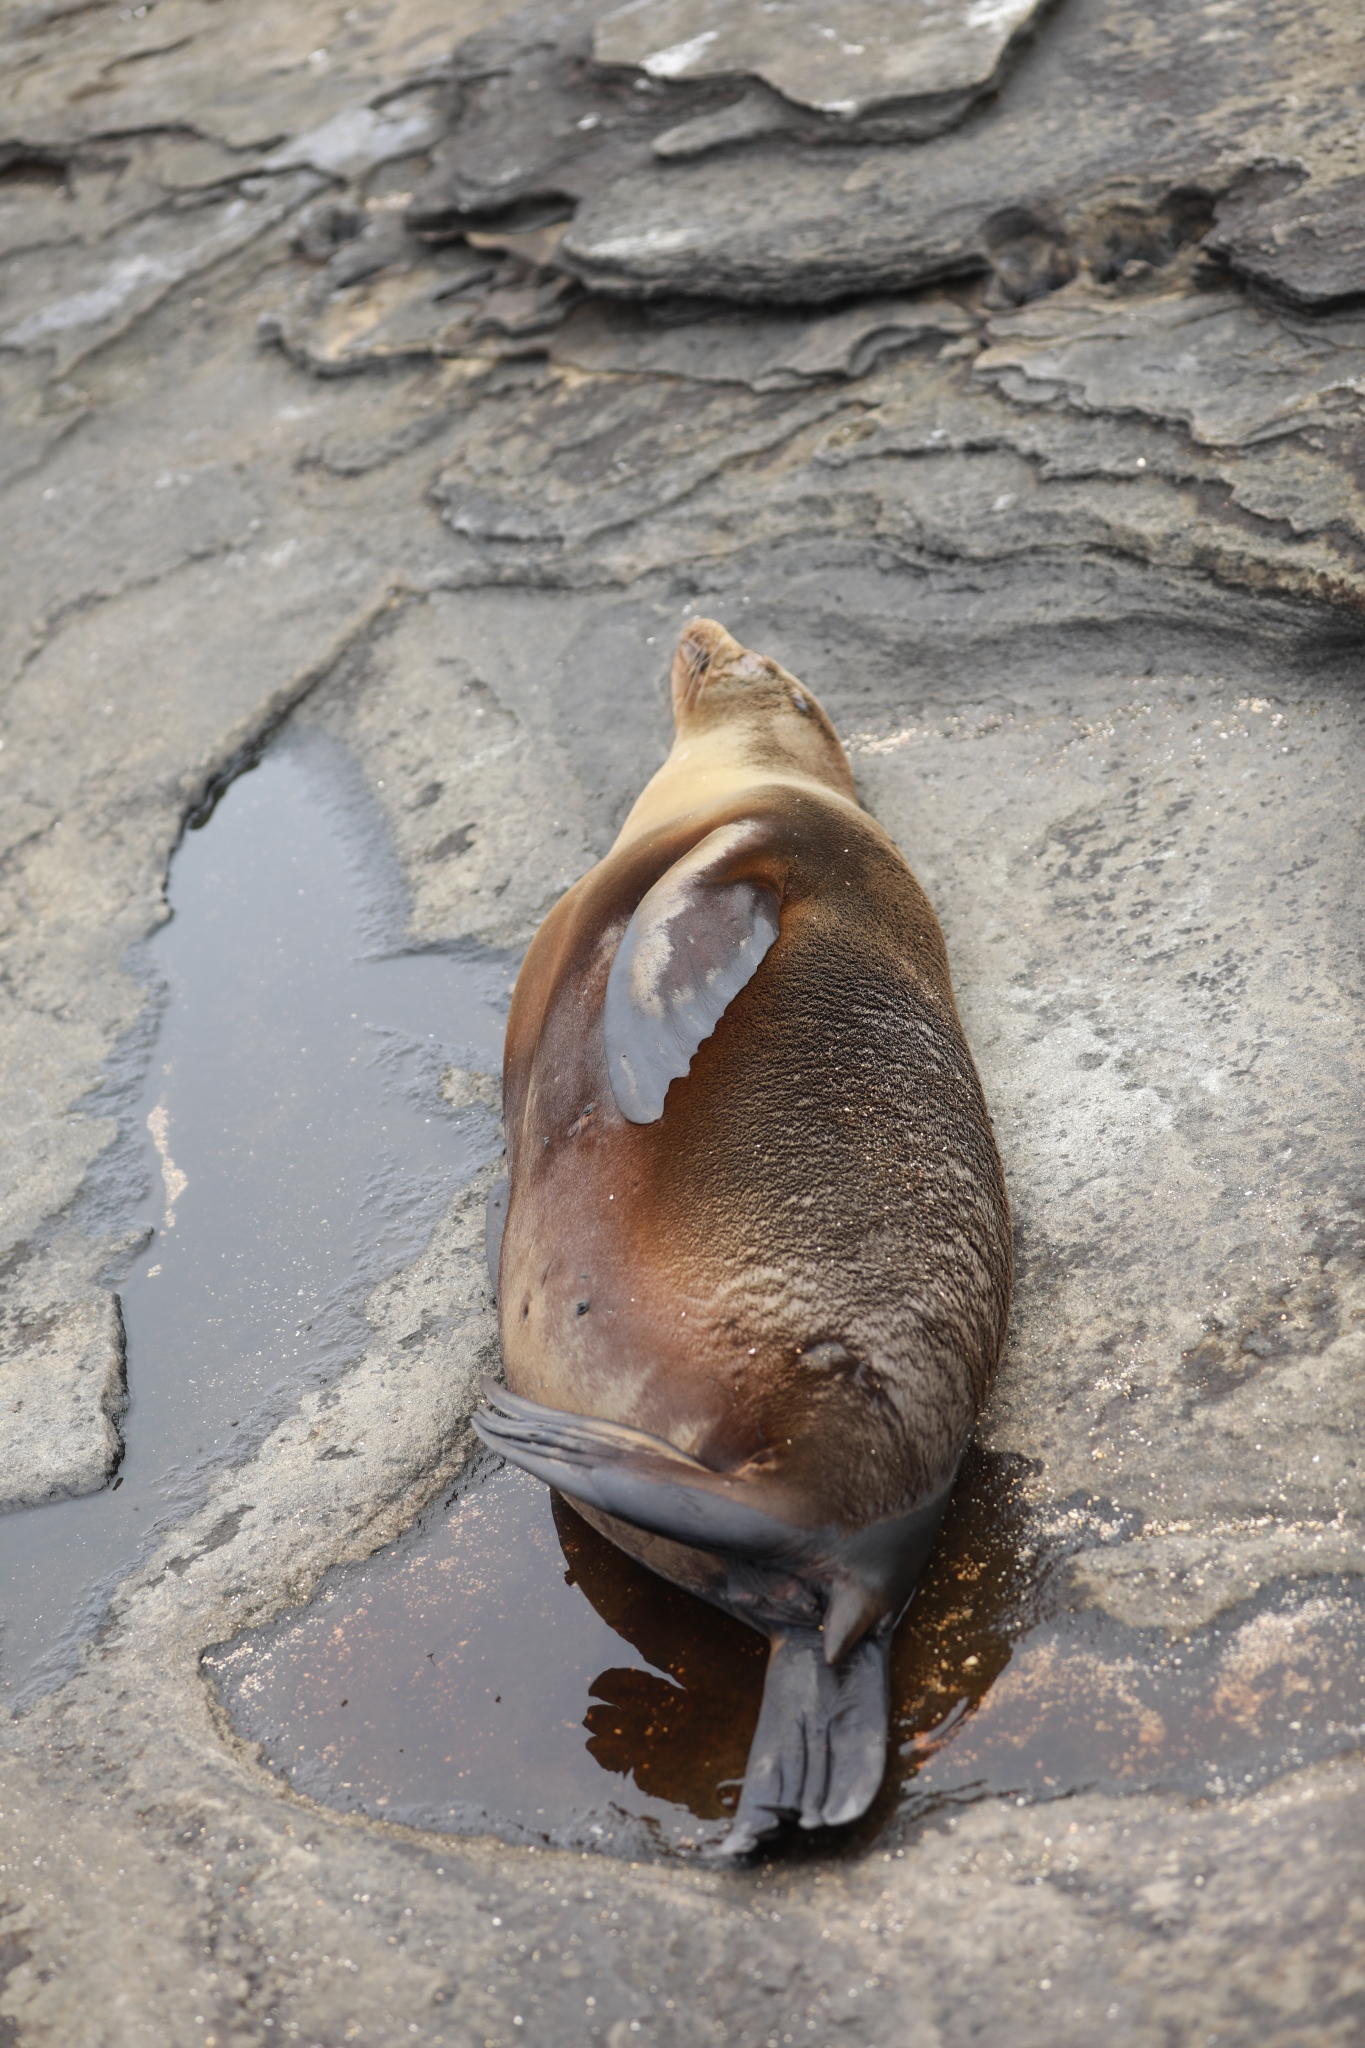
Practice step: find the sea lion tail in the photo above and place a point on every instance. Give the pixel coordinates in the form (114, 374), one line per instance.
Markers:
(819, 1750)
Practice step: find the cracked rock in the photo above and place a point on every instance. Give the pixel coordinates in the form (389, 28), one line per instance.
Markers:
(68, 306)
(534, 135)
(1075, 160)
(1308, 242)
(766, 352)
(183, 65)
(876, 53)
(356, 140)
(382, 298)
(1230, 372)
(63, 1380)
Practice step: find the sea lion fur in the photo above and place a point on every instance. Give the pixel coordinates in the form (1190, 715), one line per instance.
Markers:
(754, 1260)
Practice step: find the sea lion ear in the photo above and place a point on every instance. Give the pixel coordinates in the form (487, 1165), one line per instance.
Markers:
(695, 940)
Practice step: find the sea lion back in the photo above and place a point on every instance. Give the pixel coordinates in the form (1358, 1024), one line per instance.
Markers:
(757, 1263)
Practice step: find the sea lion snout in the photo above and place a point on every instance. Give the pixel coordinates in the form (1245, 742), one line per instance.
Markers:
(708, 655)
(748, 706)
(704, 650)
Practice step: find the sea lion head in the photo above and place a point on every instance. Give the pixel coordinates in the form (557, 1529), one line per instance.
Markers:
(776, 720)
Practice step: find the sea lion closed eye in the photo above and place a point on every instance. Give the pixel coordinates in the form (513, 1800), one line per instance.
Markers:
(754, 1261)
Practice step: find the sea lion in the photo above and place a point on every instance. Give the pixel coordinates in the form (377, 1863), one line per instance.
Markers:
(754, 1262)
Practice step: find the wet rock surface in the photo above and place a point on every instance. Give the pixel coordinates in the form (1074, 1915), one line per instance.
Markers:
(411, 375)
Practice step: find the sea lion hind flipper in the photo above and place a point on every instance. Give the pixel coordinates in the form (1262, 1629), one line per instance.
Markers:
(867, 1574)
(695, 940)
(819, 1751)
(637, 1477)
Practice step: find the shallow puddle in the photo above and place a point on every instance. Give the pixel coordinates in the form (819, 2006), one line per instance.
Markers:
(288, 1145)
(505, 1668)
(511, 1670)
(1089, 1703)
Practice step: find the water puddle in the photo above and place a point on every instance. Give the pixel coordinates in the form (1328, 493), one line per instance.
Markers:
(509, 1669)
(505, 1668)
(1088, 1703)
(288, 1146)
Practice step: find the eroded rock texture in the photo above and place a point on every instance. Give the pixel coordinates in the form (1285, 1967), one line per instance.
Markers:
(415, 371)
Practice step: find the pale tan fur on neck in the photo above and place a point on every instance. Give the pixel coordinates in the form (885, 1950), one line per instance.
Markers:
(714, 761)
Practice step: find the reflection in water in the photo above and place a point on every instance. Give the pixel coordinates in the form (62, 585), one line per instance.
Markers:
(981, 1590)
(461, 1680)
(680, 1729)
(286, 1146)
(504, 1667)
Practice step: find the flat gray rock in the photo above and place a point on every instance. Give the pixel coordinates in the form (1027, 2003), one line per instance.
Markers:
(177, 67)
(844, 61)
(385, 299)
(533, 135)
(60, 304)
(816, 228)
(1230, 372)
(1076, 163)
(744, 120)
(1307, 242)
(572, 466)
(766, 352)
(536, 131)
(358, 138)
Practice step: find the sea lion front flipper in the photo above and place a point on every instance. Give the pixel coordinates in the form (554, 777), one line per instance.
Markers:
(819, 1750)
(694, 941)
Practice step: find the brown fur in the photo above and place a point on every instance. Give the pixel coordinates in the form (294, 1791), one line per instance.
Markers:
(803, 1268)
